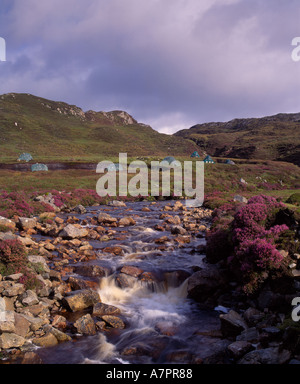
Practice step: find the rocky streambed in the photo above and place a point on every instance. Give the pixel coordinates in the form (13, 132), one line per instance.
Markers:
(128, 283)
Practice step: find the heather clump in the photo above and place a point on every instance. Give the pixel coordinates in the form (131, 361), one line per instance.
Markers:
(250, 243)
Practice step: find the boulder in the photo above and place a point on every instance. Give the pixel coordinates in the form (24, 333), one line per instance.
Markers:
(232, 324)
(26, 223)
(101, 309)
(7, 223)
(85, 325)
(11, 340)
(270, 355)
(114, 321)
(79, 300)
(104, 218)
(204, 284)
(71, 232)
(126, 221)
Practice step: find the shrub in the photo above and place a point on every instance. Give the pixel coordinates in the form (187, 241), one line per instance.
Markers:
(294, 199)
(13, 255)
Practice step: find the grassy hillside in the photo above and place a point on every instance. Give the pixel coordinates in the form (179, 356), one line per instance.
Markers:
(56, 131)
(269, 138)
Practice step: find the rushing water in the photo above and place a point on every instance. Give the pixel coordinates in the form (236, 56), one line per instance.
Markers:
(162, 324)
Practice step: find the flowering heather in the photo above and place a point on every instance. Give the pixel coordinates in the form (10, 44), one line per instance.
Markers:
(249, 241)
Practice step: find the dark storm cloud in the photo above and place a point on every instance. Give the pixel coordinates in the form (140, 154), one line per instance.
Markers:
(170, 63)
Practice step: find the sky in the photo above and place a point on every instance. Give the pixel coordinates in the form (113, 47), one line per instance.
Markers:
(169, 63)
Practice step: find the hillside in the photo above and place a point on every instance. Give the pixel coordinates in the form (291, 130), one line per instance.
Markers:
(268, 138)
(56, 131)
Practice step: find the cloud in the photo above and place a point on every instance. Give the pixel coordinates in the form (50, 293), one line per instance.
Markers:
(170, 63)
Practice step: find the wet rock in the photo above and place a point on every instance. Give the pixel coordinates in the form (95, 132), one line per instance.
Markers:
(210, 351)
(80, 209)
(178, 230)
(204, 284)
(250, 334)
(239, 348)
(59, 322)
(114, 321)
(92, 270)
(125, 281)
(104, 218)
(49, 340)
(31, 358)
(117, 203)
(71, 231)
(126, 221)
(232, 324)
(11, 340)
(131, 270)
(101, 309)
(266, 356)
(85, 325)
(79, 300)
(115, 250)
(253, 316)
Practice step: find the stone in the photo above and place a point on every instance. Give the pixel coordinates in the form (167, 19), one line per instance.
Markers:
(270, 355)
(239, 348)
(14, 277)
(26, 223)
(14, 290)
(79, 300)
(125, 281)
(116, 203)
(59, 322)
(31, 358)
(39, 260)
(101, 309)
(22, 325)
(92, 270)
(240, 199)
(11, 340)
(7, 322)
(49, 340)
(80, 209)
(11, 225)
(115, 250)
(114, 321)
(71, 232)
(126, 221)
(29, 298)
(85, 325)
(250, 334)
(204, 284)
(253, 316)
(131, 270)
(104, 218)
(232, 324)
(178, 230)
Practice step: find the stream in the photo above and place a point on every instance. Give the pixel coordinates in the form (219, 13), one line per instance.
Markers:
(163, 325)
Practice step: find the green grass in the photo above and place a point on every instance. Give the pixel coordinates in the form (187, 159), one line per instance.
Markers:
(55, 131)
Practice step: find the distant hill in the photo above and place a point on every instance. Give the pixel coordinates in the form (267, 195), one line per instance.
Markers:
(272, 137)
(57, 131)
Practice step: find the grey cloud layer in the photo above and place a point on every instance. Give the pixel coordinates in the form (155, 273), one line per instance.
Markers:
(171, 63)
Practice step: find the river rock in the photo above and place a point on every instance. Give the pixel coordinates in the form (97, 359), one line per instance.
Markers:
(232, 324)
(114, 321)
(270, 355)
(178, 230)
(101, 309)
(117, 203)
(79, 300)
(126, 221)
(125, 281)
(29, 298)
(92, 270)
(204, 284)
(85, 325)
(71, 232)
(31, 358)
(49, 340)
(131, 270)
(26, 223)
(239, 348)
(11, 340)
(105, 218)
(7, 322)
